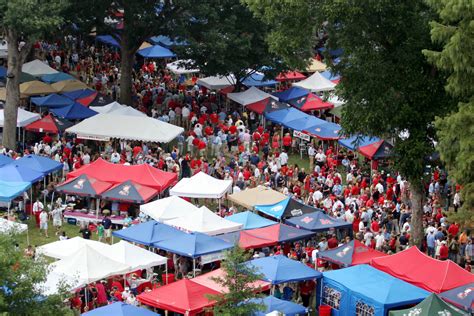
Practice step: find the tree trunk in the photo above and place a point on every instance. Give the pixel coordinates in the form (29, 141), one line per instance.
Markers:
(12, 91)
(416, 198)
(127, 59)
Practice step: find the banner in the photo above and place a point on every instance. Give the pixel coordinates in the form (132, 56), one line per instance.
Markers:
(302, 136)
(216, 256)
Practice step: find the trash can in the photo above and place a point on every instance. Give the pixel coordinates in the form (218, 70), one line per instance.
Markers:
(324, 310)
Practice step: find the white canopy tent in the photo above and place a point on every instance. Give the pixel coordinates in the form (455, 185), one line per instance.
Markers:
(143, 128)
(88, 265)
(334, 99)
(38, 68)
(9, 227)
(204, 221)
(135, 257)
(249, 96)
(168, 208)
(24, 117)
(179, 67)
(56, 281)
(108, 108)
(201, 185)
(316, 83)
(217, 82)
(65, 248)
(128, 111)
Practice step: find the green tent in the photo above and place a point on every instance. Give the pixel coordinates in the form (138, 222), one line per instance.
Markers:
(432, 305)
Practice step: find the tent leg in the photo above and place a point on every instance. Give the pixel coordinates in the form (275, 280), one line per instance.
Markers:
(31, 199)
(166, 271)
(219, 202)
(44, 196)
(8, 210)
(97, 202)
(194, 267)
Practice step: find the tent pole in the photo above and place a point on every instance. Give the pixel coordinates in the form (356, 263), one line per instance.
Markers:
(8, 210)
(97, 202)
(31, 199)
(166, 271)
(194, 267)
(44, 195)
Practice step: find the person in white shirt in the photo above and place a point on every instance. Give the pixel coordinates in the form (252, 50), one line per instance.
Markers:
(44, 222)
(37, 208)
(86, 159)
(283, 158)
(379, 241)
(311, 154)
(317, 197)
(406, 226)
(185, 112)
(379, 187)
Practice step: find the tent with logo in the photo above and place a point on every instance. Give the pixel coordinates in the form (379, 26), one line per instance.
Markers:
(260, 195)
(246, 240)
(168, 208)
(56, 77)
(249, 96)
(462, 297)
(290, 75)
(266, 106)
(279, 233)
(41, 164)
(49, 124)
(37, 68)
(272, 303)
(36, 87)
(432, 305)
(325, 131)
(363, 289)
(318, 221)
(148, 233)
(415, 267)
(83, 185)
(120, 309)
(156, 51)
(311, 102)
(280, 269)
(350, 254)
(378, 150)
(208, 280)
(9, 190)
(95, 99)
(316, 83)
(250, 220)
(52, 101)
(201, 185)
(143, 174)
(286, 208)
(24, 117)
(291, 94)
(74, 111)
(78, 94)
(106, 126)
(216, 82)
(184, 296)
(130, 191)
(204, 221)
(69, 85)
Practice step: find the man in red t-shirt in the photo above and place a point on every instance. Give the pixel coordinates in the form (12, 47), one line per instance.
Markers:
(332, 242)
(443, 251)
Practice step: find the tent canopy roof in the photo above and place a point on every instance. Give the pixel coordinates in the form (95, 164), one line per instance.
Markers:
(148, 233)
(168, 208)
(66, 248)
(217, 82)
(120, 309)
(14, 172)
(208, 280)
(180, 67)
(68, 85)
(350, 254)
(24, 117)
(130, 191)
(78, 94)
(10, 190)
(258, 80)
(290, 75)
(250, 220)
(201, 185)
(415, 267)
(249, 96)
(105, 126)
(111, 107)
(316, 83)
(462, 297)
(318, 221)
(156, 51)
(36, 88)
(4, 160)
(56, 77)
(280, 233)
(37, 68)
(143, 174)
(274, 304)
(136, 257)
(84, 185)
(41, 164)
(291, 94)
(354, 142)
(49, 124)
(311, 102)
(52, 101)
(74, 111)
(257, 196)
(432, 305)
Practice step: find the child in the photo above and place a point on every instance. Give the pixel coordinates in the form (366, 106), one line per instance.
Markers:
(100, 232)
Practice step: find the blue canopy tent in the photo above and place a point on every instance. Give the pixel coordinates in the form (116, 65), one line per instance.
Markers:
(462, 297)
(166, 41)
(10, 190)
(318, 221)
(120, 309)
(330, 76)
(304, 123)
(354, 142)
(193, 245)
(108, 40)
(4, 160)
(56, 77)
(3, 72)
(78, 94)
(14, 172)
(284, 116)
(39, 163)
(280, 269)
(250, 220)
(156, 51)
(272, 303)
(52, 101)
(326, 131)
(258, 80)
(274, 210)
(291, 94)
(148, 233)
(364, 288)
(333, 52)
(74, 111)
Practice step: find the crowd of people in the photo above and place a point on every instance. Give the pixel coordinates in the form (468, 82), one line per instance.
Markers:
(228, 142)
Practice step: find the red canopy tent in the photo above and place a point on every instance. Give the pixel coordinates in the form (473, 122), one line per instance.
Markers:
(279, 233)
(378, 150)
(311, 102)
(247, 240)
(143, 174)
(350, 254)
(415, 267)
(290, 75)
(363, 254)
(208, 280)
(184, 297)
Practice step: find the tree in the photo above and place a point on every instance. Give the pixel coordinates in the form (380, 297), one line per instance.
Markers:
(389, 88)
(23, 22)
(238, 279)
(19, 281)
(225, 38)
(454, 29)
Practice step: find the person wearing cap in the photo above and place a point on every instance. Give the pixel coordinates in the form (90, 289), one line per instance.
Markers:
(431, 243)
(443, 251)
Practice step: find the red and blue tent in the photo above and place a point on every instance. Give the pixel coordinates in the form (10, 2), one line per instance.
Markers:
(462, 297)
(78, 94)
(311, 102)
(246, 240)
(130, 191)
(250, 220)
(266, 106)
(95, 99)
(49, 124)
(84, 185)
(350, 254)
(281, 233)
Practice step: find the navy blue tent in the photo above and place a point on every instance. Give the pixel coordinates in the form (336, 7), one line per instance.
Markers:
(52, 101)
(462, 297)
(287, 208)
(16, 173)
(258, 80)
(291, 94)
(78, 94)
(74, 111)
(56, 77)
(280, 269)
(84, 186)
(120, 309)
(108, 39)
(4, 160)
(166, 41)
(272, 303)
(148, 233)
(193, 245)
(3, 72)
(156, 51)
(364, 288)
(41, 164)
(318, 221)
(354, 142)
(130, 191)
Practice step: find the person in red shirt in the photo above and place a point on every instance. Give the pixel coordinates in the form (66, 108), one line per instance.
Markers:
(443, 251)
(306, 290)
(47, 139)
(287, 142)
(332, 242)
(375, 227)
(453, 229)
